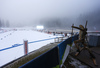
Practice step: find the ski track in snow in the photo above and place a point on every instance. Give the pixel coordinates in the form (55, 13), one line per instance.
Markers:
(10, 38)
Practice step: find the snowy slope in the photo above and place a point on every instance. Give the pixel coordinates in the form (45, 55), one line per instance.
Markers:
(10, 38)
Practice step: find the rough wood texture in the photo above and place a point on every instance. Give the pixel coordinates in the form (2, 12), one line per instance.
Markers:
(84, 57)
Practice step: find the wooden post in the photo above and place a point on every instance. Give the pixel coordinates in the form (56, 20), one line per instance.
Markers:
(72, 30)
(86, 24)
(25, 47)
(71, 36)
(55, 40)
(58, 39)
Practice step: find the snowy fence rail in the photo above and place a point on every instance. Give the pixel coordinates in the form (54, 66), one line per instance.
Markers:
(16, 45)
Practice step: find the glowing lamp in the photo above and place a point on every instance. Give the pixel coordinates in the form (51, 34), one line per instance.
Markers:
(40, 27)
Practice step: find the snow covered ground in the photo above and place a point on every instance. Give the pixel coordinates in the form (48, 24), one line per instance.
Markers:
(11, 37)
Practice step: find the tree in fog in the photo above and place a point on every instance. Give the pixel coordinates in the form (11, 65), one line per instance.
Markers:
(0, 23)
(3, 23)
(7, 23)
(51, 23)
(93, 20)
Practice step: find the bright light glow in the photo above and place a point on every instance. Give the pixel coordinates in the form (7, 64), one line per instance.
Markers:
(40, 27)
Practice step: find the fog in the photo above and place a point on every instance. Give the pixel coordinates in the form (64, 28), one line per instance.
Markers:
(50, 13)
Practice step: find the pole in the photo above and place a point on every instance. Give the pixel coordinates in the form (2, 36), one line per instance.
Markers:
(72, 30)
(86, 24)
(71, 36)
(25, 47)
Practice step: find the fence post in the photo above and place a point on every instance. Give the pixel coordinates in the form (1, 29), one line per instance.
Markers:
(58, 39)
(55, 40)
(25, 47)
(61, 39)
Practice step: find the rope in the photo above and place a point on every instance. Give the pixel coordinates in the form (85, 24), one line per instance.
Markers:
(16, 45)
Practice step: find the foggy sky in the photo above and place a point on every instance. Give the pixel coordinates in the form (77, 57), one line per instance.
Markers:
(32, 12)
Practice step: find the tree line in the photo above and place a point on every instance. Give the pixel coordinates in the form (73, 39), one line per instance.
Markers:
(4, 24)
